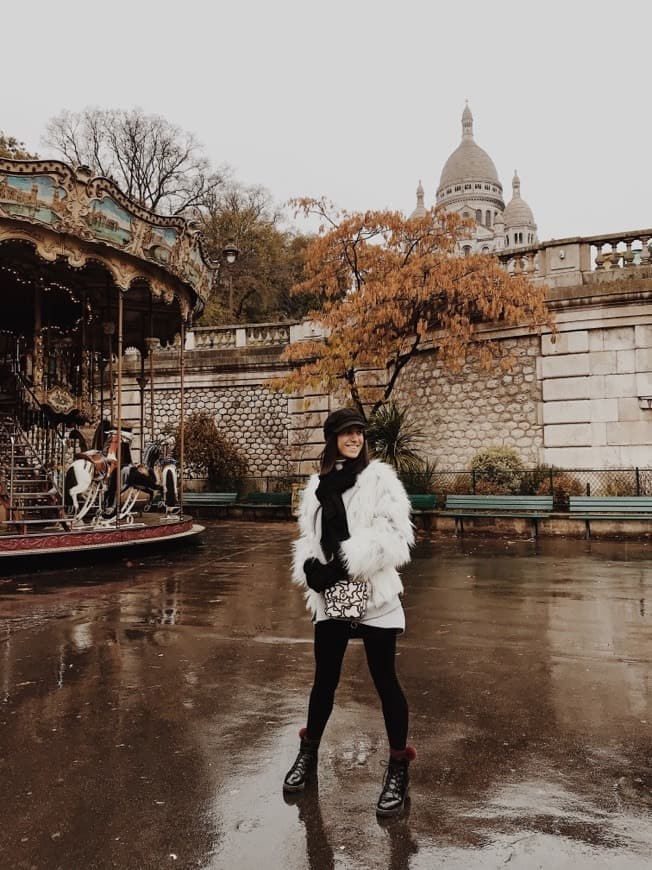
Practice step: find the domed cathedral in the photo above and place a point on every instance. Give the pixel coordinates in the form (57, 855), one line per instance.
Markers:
(469, 184)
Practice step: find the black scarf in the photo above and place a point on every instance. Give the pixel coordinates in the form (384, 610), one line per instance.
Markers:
(334, 527)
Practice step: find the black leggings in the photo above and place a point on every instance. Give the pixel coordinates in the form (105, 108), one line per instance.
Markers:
(331, 639)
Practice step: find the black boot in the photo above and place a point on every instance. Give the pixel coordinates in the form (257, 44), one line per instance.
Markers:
(395, 788)
(304, 766)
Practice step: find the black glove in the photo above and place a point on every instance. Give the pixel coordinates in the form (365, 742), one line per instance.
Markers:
(320, 577)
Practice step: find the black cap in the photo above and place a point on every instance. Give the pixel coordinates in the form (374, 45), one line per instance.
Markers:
(342, 419)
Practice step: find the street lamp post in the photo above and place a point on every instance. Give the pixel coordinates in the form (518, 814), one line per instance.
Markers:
(230, 253)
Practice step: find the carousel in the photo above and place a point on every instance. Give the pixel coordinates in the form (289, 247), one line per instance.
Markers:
(87, 276)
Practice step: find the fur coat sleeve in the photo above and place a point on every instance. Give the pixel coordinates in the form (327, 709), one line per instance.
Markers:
(381, 533)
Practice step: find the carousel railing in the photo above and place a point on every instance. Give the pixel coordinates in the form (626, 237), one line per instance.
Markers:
(37, 433)
(8, 476)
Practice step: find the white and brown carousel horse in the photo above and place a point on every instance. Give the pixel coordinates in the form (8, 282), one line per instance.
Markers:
(164, 469)
(91, 479)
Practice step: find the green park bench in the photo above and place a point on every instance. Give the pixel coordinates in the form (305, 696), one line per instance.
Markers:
(612, 507)
(530, 507)
(269, 499)
(266, 502)
(222, 500)
(421, 502)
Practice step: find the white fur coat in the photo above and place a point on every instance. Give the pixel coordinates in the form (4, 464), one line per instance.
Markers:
(381, 533)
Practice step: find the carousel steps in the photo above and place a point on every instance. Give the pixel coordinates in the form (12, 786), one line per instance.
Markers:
(41, 493)
(31, 508)
(35, 504)
(37, 527)
(21, 462)
(33, 480)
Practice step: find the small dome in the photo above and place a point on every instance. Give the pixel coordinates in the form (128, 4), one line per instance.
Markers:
(517, 212)
(420, 210)
(468, 161)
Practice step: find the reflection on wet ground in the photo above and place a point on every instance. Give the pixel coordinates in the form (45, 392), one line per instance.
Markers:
(150, 709)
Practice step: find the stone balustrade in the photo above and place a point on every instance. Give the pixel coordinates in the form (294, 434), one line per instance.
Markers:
(211, 337)
(267, 334)
(251, 335)
(246, 336)
(568, 262)
(621, 250)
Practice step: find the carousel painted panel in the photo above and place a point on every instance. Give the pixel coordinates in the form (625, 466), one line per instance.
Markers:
(109, 222)
(35, 197)
(159, 244)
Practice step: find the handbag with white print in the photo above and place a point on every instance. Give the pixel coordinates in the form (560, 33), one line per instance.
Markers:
(347, 599)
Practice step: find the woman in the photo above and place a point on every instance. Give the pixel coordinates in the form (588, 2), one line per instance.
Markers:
(354, 523)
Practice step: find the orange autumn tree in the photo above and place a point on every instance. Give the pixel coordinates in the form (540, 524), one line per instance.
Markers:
(389, 286)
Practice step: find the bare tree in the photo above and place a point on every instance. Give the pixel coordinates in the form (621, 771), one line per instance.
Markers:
(152, 161)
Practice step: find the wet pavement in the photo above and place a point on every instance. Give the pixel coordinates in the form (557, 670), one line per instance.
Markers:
(150, 708)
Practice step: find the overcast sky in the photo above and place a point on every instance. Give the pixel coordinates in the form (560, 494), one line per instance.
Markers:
(359, 100)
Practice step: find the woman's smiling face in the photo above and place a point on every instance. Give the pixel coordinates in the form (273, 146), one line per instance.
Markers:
(349, 442)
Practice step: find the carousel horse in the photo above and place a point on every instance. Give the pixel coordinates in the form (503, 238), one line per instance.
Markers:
(93, 473)
(134, 480)
(166, 475)
(87, 475)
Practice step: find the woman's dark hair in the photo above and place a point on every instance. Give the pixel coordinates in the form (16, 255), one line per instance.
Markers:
(330, 456)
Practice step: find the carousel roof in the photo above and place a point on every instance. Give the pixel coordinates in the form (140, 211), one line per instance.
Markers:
(78, 240)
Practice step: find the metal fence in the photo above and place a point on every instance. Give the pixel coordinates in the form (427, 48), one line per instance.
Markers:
(272, 484)
(561, 483)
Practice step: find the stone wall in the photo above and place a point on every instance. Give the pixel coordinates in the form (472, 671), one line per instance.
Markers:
(460, 414)
(597, 386)
(252, 417)
(230, 382)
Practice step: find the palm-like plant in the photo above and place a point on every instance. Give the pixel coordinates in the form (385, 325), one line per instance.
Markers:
(395, 439)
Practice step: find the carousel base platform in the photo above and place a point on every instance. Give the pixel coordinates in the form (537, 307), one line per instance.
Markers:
(150, 530)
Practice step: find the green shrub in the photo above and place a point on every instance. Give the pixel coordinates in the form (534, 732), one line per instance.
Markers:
(536, 481)
(497, 470)
(207, 451)
(564, 486)
(489, 487)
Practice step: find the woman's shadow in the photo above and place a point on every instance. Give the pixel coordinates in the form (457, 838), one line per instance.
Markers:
(402, 843)
(319, 851)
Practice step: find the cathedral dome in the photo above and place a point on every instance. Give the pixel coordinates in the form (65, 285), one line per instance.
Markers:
(420, 210)
(517, 212)
(468, 161)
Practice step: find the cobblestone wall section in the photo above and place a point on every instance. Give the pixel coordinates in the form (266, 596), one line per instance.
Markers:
(460, 414)
(254, 418)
